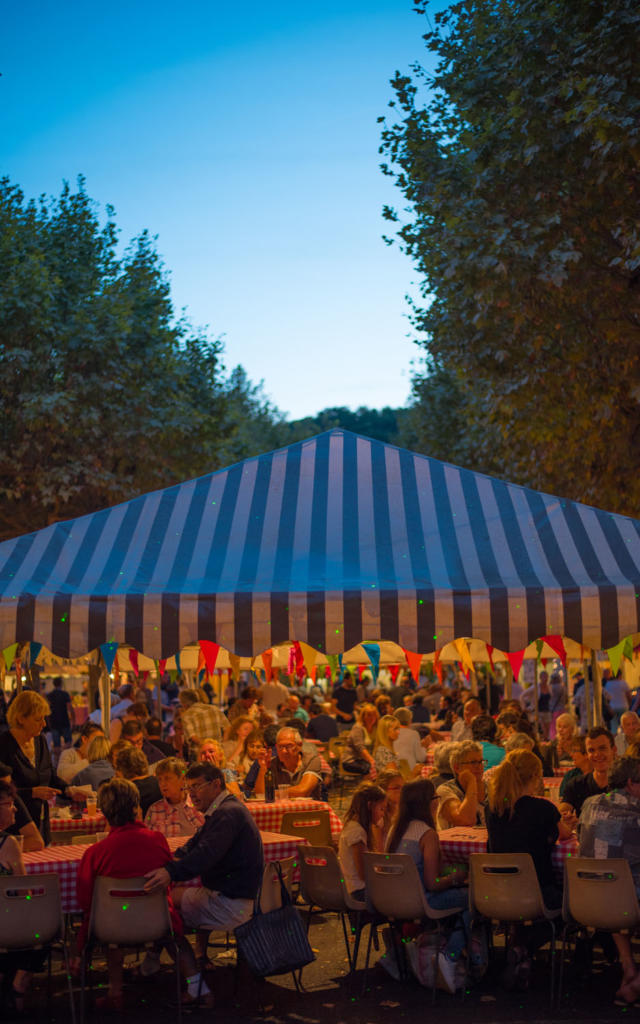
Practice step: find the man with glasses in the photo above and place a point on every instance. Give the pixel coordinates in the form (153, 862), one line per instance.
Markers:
(292, 766)
(226, 854)
(462, 801)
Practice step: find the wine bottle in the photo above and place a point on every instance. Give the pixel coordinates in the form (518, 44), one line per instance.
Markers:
(269, 787)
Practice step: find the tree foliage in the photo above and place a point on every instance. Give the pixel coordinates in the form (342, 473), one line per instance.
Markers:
(103, 393)
(520, 166)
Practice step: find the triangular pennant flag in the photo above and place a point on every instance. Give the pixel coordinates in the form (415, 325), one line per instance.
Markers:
(438, 667)
(299, 659)
(173, 674)
(291, 661)
(178, 666)
(616, 655)
(133, 658)
(267, 661)
(628, 648)
(543, 662)
(333, 665)
(393, 672)
(234, 661)
(490, 651)
(539, 646)
(109, 650)
(515, 660)
(360, 671)
(9, 654)
(201, 662)
(414, 660)
(309, 655)
(465, 657)
(210, 650)
(162, 665)
(34, 651)
(373, 654)
(556, 643)
(313, 671)
(145, 675)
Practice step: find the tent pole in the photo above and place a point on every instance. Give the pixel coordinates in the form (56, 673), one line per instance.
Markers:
(588, 689)
(536, 696)
(105, 699)
(597, 689)
(508, 680)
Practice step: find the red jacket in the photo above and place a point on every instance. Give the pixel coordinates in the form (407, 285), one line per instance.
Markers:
(128, 851)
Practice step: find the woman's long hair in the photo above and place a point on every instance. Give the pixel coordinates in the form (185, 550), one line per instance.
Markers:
(362, 801)
(386, 723)
(415, 805)
(510, 779)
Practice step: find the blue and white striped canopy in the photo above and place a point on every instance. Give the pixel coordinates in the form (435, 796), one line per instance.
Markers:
(332, 540)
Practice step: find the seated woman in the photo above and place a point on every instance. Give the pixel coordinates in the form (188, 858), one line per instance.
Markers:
(211, 752)
(74, 759)
(387, 733)
(235, 735)
(414, 833)
(248, 766)
(365, 811)
(99, 769)
(462, 800)
(129, 850)
(390, 782)
(361, 740)
(518, 821)
(442, 771)
(23, 824)
(174, 814)
(131, 764)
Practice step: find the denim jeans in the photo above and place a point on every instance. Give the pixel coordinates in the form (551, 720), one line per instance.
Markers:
(449, 899)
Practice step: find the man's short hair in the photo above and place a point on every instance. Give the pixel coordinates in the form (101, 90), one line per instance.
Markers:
(287, 729)
(484, 728)
(208, 772)
(131, 729)
(153, 727)
(623, 770)
(131, 763)
(119, 800)
(403, 715)
(139, 710)
(170, 766)
(600, 730)
(188, 698)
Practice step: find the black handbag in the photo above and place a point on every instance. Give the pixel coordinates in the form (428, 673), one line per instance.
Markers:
(275, 942)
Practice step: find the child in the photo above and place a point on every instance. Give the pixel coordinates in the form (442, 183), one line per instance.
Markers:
(356, 838)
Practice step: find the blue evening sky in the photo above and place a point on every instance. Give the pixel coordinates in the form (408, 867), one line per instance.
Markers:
(245, 137)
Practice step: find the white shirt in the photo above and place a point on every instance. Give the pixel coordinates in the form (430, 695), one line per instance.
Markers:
(409, 748)
(352, 834)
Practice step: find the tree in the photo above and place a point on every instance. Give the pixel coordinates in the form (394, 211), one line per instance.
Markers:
(521, 170)
(103, 394)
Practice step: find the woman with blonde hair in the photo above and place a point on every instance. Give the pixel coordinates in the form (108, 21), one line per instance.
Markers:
(211, 752)
(519, 821)
(386, 734)
(361, 741)
(391, 782)
(235, 735)
(25, 750)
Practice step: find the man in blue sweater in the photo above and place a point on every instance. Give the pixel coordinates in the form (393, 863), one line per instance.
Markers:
(226, 854)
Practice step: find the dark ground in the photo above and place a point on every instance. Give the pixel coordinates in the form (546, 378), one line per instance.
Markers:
(331, 996)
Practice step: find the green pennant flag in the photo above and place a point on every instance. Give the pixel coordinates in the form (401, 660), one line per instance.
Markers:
(539, 646)
(9, 654)
(616, 655)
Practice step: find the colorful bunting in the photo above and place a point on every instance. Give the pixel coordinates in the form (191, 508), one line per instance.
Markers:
(465, 657)
(515, 660)
(267, 661)
(210, 651)
(556, 643)
(414, 660)
(109, 651)
(9, 654)
(373, 654)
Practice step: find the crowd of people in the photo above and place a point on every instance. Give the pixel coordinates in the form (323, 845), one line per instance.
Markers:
(189, 772)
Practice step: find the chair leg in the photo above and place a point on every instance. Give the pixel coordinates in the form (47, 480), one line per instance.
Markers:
(176, 953)
(72, 1005)
(346, 941)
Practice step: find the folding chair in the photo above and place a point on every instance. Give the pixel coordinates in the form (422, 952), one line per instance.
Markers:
(314, 826)
(31, 919)
(395, 892)
(504, 887)
(124, 915)
(322, 887)
(598, 894)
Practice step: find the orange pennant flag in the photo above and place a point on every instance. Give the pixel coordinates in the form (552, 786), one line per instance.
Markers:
(267, 661)
(414, 662)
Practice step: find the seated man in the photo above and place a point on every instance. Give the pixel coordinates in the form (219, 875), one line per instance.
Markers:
(462, 801)
(601, 750)
(629, 732)
(292, 766)
(609, 826)
(226, 854)
(134, 732)
(484, 730)
(461, 730)
(23, 824)
(322, 727)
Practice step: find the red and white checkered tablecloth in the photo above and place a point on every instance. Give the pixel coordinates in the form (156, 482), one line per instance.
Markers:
(457, 845)
(95, 823)
(269, 816)
(63, 861)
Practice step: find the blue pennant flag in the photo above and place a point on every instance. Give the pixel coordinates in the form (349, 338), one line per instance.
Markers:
(373, 654)
(109, 651)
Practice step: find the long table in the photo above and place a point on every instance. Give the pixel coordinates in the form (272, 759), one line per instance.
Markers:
(63, 861)
(269, 816)
(62, 829)
(457, 845)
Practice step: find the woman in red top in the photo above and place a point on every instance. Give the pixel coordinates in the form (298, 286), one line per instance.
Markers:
(130, 850)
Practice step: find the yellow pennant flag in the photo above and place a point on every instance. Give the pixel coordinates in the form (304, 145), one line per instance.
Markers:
(234, 661)
(463, 651)
(310, 656)
(616, 655)
(9, 654)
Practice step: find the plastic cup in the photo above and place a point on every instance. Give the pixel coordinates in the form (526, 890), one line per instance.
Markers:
(92, 808)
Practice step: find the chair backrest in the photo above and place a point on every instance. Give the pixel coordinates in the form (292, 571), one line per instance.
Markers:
(394, 887)
(505, 887)
(84, 840)
(122, 913)
(321, 880)
(270, 892)
(600, 894)
(314, 826)
(30, 910)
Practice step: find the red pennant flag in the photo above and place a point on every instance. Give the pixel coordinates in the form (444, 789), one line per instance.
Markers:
(438, 667)
(556, 643)
(133, 658)
(267, 661)
(145, 675)
(544, 662)
(515, 660)
(312, 672)
(201, 662)
(394, 669)
(490, 650)
(414, 661)
(209, 650)
(162, 664)
(360, 671)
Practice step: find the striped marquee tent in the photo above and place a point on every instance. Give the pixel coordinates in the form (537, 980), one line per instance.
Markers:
(330, 541)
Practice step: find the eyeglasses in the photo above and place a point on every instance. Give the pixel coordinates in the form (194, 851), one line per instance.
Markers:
(473, 764)
(287, 746)
(197, 786)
